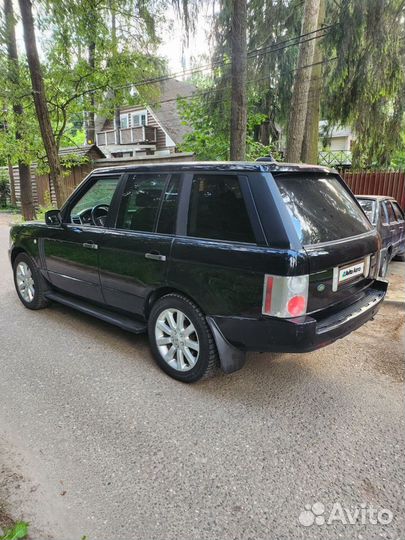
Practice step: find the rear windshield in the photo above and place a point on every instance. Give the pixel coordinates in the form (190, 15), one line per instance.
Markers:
(321, 208)
(368, 206)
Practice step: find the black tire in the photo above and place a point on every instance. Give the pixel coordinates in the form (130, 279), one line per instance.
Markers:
(208, 361)
(400, 257)
(39, 300)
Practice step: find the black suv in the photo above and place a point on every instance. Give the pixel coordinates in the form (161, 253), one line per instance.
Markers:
(212, 259)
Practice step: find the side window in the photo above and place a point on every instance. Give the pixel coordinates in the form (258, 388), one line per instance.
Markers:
(168, 212)
(390, 212)
(217, 209)
(398, 212)
(140, 202)
(92, 208)
(384, 215)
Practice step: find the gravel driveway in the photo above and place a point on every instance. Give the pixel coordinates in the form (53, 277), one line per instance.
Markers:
(95, 440)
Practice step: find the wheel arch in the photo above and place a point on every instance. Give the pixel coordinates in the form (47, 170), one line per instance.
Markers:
(163, 291)
(15, 252)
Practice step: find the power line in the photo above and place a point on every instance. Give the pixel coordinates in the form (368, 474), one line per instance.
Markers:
(275, 47)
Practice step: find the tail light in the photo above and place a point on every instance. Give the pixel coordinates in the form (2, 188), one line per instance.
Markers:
(285, 296)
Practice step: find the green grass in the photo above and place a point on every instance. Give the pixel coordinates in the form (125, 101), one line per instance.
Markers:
(20, 530)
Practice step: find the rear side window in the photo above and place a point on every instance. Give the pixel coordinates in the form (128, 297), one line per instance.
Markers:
(140, 202)
(398, 212)
(217, 209)
(390, 212)
(321, 208)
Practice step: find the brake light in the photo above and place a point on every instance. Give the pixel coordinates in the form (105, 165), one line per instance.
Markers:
(296, 306)
(285, 296)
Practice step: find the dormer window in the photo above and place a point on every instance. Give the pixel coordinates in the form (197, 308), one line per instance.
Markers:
(134, 119)
(139, 118)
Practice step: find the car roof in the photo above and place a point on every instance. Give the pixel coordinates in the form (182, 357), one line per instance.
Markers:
(376, 197)
(220, 166)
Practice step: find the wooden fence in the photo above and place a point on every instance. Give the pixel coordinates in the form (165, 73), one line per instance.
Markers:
(377, 183)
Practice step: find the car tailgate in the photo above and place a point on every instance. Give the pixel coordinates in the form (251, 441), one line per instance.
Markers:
(330, 267)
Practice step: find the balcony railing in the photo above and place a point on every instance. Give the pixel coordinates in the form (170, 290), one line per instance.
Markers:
(131, 135)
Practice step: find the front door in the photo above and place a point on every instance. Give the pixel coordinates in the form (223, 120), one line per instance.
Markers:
(71, 250)
(134, 255)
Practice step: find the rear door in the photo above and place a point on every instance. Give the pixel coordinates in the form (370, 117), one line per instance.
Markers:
(401, 225)
(394, 227)
(340, 242)
(219, 256)
(133, 256)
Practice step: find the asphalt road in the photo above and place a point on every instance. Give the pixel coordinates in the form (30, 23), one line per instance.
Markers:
(95, 440)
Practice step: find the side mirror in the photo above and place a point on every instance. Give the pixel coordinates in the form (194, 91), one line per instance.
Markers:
(53, 217)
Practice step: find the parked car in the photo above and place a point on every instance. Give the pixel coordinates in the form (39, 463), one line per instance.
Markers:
(388, 218)
(211, 259)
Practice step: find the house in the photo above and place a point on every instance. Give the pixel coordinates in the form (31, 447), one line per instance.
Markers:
(146, 130)
(336, 138)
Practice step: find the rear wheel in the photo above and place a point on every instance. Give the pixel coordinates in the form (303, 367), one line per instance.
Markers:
(29, 283)
(181, 340)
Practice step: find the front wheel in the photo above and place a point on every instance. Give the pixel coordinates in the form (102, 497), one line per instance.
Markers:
(29, 283)
(181, 340)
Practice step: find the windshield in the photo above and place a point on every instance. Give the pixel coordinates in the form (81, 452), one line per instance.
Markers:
(368, 206)
(321, 208)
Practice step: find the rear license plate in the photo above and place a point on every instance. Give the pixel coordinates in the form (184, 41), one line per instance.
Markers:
(351, 272)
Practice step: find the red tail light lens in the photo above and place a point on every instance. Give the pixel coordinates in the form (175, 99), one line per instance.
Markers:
(267, 294)
(296, 306)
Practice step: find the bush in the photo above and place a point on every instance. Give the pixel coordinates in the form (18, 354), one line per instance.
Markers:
(4, 192)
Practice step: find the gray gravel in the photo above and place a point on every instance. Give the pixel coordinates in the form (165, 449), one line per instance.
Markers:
(96, 440)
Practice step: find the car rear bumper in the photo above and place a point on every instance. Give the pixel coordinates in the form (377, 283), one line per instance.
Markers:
(302, 334)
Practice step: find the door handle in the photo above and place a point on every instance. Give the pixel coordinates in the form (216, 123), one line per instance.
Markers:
(90, 245)
(155, 256)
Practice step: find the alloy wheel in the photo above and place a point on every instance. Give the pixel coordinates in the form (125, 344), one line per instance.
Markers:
(177, 339)
(25, 282)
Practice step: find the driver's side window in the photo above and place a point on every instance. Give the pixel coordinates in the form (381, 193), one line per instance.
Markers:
(92, 208)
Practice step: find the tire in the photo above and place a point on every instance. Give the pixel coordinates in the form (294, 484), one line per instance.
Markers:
(172, 320)
(400, 257)
(38, 284)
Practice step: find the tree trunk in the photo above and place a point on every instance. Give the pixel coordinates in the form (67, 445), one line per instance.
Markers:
(310, 150)
(38, 88)
(117, 112)
(91, 120)
(13, 200)
(239, 76)
(299, 100)
(27, 204)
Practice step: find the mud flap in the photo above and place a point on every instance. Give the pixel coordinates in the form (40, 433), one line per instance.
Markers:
(231, 358)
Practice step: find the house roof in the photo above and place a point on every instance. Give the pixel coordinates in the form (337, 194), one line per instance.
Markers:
(89, 150)
(334, 131)
(166, 110)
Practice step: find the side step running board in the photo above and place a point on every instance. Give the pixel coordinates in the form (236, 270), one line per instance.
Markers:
(124, 322)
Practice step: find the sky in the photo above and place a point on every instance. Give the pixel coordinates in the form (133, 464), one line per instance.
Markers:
(179, 55)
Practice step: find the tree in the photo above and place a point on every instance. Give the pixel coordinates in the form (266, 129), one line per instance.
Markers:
(299, 101)
(27, 205)
(239, 81)
(309, 153)
(364, 85)
(40, 100)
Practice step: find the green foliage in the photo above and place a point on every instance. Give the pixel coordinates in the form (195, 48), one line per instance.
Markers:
(20, 530)
(4, 188)
(364, 86)
(209, 138)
